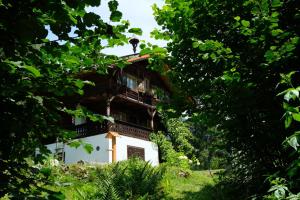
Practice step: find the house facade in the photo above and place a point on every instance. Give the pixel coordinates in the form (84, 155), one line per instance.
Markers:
(130, 96)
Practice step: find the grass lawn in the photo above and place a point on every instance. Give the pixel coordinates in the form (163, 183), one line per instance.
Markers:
(197, 186)
(79, 183)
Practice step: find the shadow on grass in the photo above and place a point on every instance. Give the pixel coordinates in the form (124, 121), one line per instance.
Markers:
(208, 192)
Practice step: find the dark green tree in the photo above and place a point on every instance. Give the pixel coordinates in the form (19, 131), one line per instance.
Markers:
(230, 57)
(37, 74)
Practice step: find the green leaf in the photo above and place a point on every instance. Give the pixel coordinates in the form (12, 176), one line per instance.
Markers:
(91, 19)
(116, 16)
(136, 31)
(276, 32)
(288, 120)
(291, 94)
(32, 70)
(293, 142)
(286, 78)
(237, 18)
(142, 46)
(205, 56)
(195, 44)
(75, 143)
(57, 196)
(46, 171)
(276, 3)
(292, 109)
(95, 117)
(296, 116)
(245, 23)
(108, 118)
(88, 148)
(113, 5)
(87, 82)
(93, 3)
(79, 84)
(145, 51)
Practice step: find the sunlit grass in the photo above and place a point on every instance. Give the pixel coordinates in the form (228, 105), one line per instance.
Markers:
(198, 185)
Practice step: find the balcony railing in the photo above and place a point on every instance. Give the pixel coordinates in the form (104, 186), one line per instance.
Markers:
(130, 130)
(89, 129)
(138, 96)
(123, 128)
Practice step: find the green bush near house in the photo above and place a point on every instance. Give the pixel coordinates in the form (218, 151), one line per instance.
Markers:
(131, 179)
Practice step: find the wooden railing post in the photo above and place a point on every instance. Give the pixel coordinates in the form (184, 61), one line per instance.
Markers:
(152, 113)
(109, 100)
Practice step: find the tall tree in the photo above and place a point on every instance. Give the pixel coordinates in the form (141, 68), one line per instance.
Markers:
(229, 55)
(36, 73)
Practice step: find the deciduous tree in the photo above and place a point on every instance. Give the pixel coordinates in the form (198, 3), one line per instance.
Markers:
(37, 73)
(230, 56)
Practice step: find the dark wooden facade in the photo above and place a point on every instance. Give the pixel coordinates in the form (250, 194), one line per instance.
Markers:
(129, 95)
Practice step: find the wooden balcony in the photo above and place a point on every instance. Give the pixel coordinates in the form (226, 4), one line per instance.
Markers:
(127, 93)
(131, 130)
(123, 128)
(140, 97)
(89, 129)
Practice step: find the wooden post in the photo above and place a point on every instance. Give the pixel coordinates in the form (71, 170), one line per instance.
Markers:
(114, 149)
(109, 100)
(152, 113)
(113, 136)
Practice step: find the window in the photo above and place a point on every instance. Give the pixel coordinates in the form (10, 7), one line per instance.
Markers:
(131, 82)
(134, 83)
(135, 152)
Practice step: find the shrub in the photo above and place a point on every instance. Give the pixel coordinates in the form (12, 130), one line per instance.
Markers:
(167, 153)
(131, 179)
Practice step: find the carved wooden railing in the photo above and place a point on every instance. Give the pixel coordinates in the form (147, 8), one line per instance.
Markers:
(119, 89)
(123, 128)
(130, 130)
(138, 96)
(89, 129)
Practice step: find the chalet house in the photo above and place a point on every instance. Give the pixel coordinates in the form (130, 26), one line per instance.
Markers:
(130, 96)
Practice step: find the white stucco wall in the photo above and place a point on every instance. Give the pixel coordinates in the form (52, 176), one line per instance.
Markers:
(151, 149)
(104, 155)
(73, 155)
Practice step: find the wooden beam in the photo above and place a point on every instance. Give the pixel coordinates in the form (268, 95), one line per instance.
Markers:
(135, 101)
(108, 101)
(114, 149)
(152, 113)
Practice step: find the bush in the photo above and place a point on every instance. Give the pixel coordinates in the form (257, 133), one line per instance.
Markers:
(167, 153)
(131, 179)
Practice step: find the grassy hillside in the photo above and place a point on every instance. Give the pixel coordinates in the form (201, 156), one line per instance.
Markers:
(197, 185)
(132, 180)
(81, 182)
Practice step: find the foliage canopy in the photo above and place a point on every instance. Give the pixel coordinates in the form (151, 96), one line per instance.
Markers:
(233, 58)
(37, 75)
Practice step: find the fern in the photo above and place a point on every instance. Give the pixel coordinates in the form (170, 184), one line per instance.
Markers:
(132, 179)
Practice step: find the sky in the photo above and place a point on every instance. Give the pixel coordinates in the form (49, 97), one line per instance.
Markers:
(140, 15)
